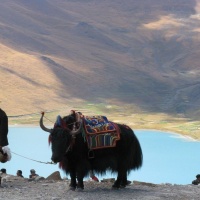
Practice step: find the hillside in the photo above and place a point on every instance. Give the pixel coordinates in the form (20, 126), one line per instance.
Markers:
(141, 55)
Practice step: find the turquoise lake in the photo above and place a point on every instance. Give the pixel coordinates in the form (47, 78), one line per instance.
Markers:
(168, 157)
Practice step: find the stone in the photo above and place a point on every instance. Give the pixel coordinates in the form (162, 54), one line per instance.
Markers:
(39, 178)
(144, 183)
(108, 180)
(54, 176)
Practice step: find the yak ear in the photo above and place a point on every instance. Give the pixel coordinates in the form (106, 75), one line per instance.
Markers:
(73, 113)
(78, 116)
(75, 132)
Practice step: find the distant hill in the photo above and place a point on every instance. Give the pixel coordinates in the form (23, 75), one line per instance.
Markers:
(141, 53)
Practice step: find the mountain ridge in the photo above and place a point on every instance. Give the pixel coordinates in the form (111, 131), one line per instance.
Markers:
(72, 52)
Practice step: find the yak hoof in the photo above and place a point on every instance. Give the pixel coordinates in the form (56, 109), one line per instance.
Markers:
(72, 188)
(114, 187)
(79, 189)
(128, 182)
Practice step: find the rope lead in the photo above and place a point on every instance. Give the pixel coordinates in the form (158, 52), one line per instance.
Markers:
(34, 160)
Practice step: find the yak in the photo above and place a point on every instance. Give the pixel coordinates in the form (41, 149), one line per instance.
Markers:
(71, 151)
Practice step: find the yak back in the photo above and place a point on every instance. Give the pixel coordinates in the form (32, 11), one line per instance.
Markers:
(127, 154)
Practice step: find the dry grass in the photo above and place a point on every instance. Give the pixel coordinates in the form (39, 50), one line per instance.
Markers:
(127, 115)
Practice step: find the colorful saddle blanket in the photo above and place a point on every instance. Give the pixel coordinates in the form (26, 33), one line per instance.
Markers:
(99, 132)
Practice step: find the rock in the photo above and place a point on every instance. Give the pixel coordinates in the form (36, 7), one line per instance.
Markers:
(54, 176)
(144, 183)
(108, 180)
(39, 178)
(10, 178)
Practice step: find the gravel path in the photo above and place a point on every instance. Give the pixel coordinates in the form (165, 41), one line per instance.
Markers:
(22, 189)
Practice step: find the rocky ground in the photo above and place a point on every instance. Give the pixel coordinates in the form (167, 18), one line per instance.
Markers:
(49, 189)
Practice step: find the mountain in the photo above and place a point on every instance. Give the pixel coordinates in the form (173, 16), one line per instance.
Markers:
(144, 54)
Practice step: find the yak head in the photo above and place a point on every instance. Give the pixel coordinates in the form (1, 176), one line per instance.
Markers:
(60, 139)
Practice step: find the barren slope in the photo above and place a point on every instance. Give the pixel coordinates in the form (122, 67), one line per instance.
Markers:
(57, 53)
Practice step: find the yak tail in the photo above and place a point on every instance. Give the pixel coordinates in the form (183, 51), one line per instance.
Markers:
(136, 154)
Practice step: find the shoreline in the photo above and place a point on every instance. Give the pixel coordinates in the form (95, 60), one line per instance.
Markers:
(186, 137)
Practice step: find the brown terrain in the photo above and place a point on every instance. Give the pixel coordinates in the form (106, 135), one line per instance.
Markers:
(134, 61)
(53, 189)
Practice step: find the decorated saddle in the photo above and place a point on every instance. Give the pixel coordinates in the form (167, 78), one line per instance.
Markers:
(99, 132)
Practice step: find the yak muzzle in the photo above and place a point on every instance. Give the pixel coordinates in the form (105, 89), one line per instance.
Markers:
(55, 159)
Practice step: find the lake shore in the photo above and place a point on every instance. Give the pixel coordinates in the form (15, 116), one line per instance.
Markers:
(137, 121)
(187, 137)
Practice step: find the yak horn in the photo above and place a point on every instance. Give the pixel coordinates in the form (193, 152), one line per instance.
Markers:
(42, 125)
(74, 132)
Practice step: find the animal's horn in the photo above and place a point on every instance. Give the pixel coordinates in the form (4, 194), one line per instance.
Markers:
(42, 125)
(74, 132)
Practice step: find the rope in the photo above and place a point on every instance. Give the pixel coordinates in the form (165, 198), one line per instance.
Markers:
(49, 120)
(30, 158)
(30, 114)
(33, 159)
(35, 113)
(23, 115)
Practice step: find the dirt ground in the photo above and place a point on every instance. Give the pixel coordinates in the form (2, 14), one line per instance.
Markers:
(23, 189)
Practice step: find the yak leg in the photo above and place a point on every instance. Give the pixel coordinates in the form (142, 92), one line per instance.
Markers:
(73, 183)
(80, 184)
(125, 182)
(121, 178)
(117, 183)
(80, 176)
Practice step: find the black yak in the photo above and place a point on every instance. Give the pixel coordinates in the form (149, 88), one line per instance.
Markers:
(70, 147)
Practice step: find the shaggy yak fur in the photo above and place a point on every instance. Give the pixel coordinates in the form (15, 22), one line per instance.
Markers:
(71, 151)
